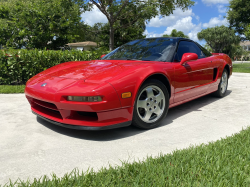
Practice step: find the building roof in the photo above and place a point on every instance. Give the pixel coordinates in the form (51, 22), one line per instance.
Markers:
(245, 43)
(82, 44)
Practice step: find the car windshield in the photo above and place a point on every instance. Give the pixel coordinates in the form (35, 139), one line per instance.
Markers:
(150, 49)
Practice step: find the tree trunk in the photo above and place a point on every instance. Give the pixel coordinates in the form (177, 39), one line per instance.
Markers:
(111, 38)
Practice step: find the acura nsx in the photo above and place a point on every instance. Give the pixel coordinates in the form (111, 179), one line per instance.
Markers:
(134, 84)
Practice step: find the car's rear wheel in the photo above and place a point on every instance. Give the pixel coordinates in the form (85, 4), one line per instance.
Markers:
(151, 104)
(222, 87)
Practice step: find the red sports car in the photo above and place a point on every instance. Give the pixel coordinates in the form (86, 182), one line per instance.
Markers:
(134, 84)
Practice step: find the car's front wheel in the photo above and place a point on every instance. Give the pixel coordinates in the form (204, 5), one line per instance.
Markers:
(151, 104)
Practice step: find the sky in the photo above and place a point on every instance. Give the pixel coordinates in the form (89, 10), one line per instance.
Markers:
(204, 14)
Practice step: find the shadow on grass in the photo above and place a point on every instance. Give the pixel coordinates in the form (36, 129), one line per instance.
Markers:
(113, 134)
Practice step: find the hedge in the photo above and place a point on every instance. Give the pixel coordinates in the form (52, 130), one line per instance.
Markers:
(17, 66)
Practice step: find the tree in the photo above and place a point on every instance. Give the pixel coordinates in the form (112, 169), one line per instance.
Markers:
(218, 37)
(247, 32)
(117, 11)
(176, 33)
(235, 50)
(122, 36)
(208, 48)
(85, 32)
(238, 16)
(39, 23)
(99, 33)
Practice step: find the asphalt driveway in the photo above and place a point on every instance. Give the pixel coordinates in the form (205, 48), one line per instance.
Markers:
(31, 147)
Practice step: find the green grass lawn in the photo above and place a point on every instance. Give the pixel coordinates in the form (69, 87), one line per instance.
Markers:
(243, 68)
(6, 89)
(225, 162)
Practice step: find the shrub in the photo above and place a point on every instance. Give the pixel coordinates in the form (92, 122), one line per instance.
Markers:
(17, 66)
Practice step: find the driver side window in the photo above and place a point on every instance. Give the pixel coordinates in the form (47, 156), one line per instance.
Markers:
(188, 47)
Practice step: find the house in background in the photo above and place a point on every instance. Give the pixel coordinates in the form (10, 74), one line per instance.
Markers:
(82, 46)
(246, 46)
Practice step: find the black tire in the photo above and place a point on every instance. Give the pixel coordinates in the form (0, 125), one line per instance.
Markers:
(157, 104)
(221, 92)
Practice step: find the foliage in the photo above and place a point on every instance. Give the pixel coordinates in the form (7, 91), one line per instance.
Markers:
(238, 16)
(38, 24)
(235, 50)
(17, 66)
(99, 33)
(176, 33)
(131, 11)
(208, 48)
(221, 163)
(218, 37)
(247, 32)
(86, 32)
(5, 31)
(122, 36)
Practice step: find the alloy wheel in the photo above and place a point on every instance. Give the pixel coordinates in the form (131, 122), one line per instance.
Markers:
(150, 104)
(224, 82)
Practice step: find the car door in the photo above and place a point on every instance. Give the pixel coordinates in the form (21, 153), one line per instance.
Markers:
(190, 78)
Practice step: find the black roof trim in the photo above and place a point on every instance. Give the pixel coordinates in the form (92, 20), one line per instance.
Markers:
(175, 38)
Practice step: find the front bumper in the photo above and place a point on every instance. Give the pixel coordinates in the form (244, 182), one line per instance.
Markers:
(77, 127)
(80, 119)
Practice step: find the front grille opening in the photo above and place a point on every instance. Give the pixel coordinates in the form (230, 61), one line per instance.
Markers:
(84, 116)
(88, 116)
(45, 104)
(47, 111)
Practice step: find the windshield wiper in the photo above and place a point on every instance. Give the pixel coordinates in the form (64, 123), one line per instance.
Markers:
(132, 59)
(137, 59)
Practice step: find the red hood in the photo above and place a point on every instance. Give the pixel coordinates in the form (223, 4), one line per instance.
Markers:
(96, 69)
(85, 70)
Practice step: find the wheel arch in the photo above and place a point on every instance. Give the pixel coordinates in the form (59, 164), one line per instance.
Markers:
(228, 69)
(158, 76)
(227, 64)
(161, 78)
(154, 78)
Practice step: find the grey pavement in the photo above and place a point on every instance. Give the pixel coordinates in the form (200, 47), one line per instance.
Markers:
(31, 147)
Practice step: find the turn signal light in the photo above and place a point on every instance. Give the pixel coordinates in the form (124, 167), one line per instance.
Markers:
(126, 95)
(84, 99)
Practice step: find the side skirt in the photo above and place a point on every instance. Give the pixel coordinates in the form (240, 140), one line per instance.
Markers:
(190, 99)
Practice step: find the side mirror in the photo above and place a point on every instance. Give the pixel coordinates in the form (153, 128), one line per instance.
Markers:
(187, 57)
(102, 56)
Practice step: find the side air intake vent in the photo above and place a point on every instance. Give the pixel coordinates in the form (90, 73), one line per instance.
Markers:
(215, 73)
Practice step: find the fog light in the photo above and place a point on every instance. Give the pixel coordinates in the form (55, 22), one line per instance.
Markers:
(84, 99)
